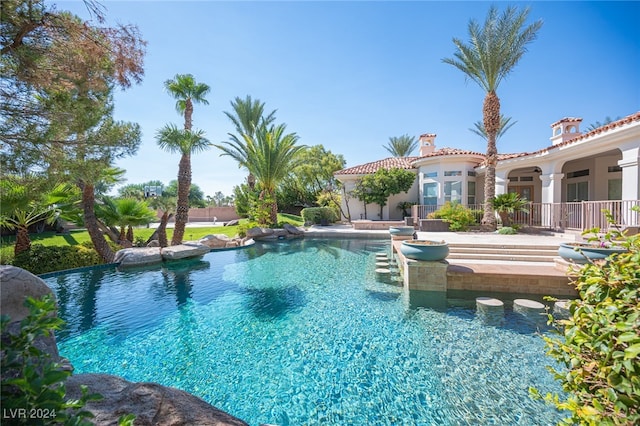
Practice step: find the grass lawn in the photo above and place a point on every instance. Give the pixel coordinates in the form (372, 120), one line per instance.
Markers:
(79, 236)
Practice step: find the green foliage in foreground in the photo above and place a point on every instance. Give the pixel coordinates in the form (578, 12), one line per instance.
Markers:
(31, 380)
(458, 216)
(600, 346)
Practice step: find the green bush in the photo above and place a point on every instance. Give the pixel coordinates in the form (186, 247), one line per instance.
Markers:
(31, 380)
(600, 343)
(318, 215)
(507, 230)
(458, 216)
(40, 259)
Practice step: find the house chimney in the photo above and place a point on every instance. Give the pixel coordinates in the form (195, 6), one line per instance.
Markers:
(565, 129)
(427, 144)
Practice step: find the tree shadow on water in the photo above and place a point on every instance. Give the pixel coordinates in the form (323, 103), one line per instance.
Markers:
(274, 303)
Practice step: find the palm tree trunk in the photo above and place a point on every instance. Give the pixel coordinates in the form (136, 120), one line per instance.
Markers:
(188, 112)
(274, 208)
(182, 208)
(91, 223)
(491, 118)
(23, 243)
(130, 234)
(162, 229)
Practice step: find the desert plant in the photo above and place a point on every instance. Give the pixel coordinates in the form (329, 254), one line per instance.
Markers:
(600, 342)
(507, 230)
(507, 204)
(458, 216)
(318, 215)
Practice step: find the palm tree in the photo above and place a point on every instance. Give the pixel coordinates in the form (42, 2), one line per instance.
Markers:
(401, 146)
(492, 53)
(185, 142)
(509, 203)
(269, 156)
(186, 91)
(23, 207)
(247, 116)
(125, 213)
(505, 124)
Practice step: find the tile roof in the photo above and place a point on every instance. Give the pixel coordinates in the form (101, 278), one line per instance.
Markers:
(408, 162)
(626, 120)
(387, 163)
(449, 151)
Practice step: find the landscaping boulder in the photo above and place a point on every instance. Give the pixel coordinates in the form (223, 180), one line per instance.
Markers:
(215, 241)
(151, 403)
(294, 230)
(233, 222)
(136, 256)
(16, 284)
(185, 250)
(257, 232)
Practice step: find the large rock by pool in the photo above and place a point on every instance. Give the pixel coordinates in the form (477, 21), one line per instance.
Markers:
(182, 251)
(136, 256)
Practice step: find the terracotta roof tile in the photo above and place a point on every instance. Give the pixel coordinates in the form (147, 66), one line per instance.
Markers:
(449, 151)
(626, 120)
(387, 163)
(566, 119)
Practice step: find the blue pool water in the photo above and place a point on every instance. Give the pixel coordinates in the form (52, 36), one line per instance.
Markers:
(301, 333)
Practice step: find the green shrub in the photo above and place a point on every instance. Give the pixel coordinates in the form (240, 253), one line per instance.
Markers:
(600, 343)
(507, 230)
(458, 216)
(40, 259)
(31, 380)
(243, 227)
(318, 215)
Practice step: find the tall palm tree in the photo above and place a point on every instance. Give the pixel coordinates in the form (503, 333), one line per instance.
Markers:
(505, 124)
(401, 146)
(493, 51)
(269, 156)
(185, 142)
(247, 116)
(186, 91)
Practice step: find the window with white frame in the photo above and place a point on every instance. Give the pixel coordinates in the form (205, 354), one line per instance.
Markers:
(471, 192)
(578, 191)
(430, 194)
(453, 191)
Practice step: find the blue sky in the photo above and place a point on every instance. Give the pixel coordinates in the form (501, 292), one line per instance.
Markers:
(349, 75)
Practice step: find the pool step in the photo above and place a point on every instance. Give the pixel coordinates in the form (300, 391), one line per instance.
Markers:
(520, 253)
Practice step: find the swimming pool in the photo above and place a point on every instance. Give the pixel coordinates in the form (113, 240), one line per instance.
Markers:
(301, 332)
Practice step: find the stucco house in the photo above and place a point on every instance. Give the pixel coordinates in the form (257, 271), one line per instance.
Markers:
(568, 182)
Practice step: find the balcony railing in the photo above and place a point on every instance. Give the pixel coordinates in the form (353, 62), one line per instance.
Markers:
(577, 216)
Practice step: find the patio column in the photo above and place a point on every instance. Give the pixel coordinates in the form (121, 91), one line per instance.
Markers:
(630, 175)
(501, 182)
(551, 194)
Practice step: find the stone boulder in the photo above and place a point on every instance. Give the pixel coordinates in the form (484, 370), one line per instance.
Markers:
(215, 241)
(257, 232)
(233, 222)
(151, 403)
(16, 284)
(185, 250)
(136, 256)
(293, 230)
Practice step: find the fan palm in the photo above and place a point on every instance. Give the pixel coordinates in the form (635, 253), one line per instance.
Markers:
(493, 51)
(22, 207)
(184, 142)
(505, 124)
(509, 203)
(125, 213)
(247, 116)
(186, 91)
(269, 156)
(401, 146)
